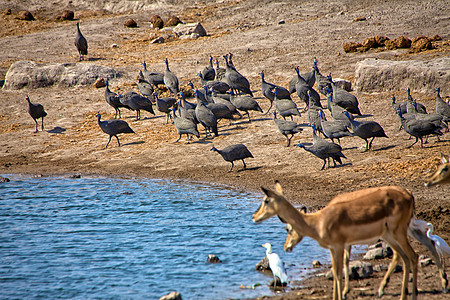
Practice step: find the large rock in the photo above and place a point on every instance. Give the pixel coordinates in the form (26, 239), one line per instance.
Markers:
(32, 75)
(376, 75)
(189, 28)
(171, 296)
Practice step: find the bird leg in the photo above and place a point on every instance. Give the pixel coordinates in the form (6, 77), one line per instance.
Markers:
(288, 140)
(370, 144)
(117, 140)
(232, 165)
(180, 138)
(245, 166)
(417, 139)
(36, 125)
(42, 125)
(271, 103)
(324, 162)
(108, 142)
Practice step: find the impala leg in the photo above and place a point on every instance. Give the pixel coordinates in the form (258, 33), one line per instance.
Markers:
(386, 277)
(337, 257)
(346, 271)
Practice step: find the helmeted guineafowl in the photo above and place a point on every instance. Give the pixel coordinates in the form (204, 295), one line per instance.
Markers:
(153, 78)
(184, 126)
(366, 130)
(267, 91)
(285, 107)
(113, 128)
(236, 80)
(208, 73)
(205, 116)
(137, 102)
(287, 128)
(419, 128)
(170, 79)
(36, 111)
(81, 43)
(113, 99)
(234, 152)
(244, 103)
(333, 129)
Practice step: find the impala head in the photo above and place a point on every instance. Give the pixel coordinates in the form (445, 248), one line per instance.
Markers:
(267, 209)
(442, 175)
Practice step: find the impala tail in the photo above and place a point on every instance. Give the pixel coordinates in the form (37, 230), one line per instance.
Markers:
(442, 175)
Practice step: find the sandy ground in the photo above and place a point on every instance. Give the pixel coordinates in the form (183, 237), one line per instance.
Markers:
(73, 143)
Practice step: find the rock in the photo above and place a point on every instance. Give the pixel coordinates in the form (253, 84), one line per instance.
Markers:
(359, 19)
(421, 43)
(384, 268)
(214, 259)
(25, 15)
(114, 46)
(351, 47)
(436, 37)
(360, 269)
(173, 21)
(32, 75)
(4, 179)
(381, 40)
(378, 253)
(188, 29)
(99, 83)
(66, 15)
(425, 261)
(343, 84)
(263, 265)
(281, 22)
(369, 43)
(7, 12)
(158, 40)
(157, 22)
(402, 42)
(130, 23)
(171, 296)
(376, 75)
(316, 264)
(391, 44)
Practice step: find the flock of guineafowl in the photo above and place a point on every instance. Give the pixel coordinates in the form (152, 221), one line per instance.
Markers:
(226, 93)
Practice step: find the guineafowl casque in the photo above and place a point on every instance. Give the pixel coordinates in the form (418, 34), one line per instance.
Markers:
(287, 128)
(36, 111)
(113, 128)
(81, 43)
(234, 152)
(366, 130)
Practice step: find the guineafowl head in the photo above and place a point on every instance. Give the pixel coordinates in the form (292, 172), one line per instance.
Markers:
(199, 74)
(346, 113)
(214, 149)
(297, 70)
(145, 65)
(315, 61)
(205, 87)
(329, 77)
(261, 74)
(438, 90)
(393, 99)
(320, 114)
(210, 58)
(191, 84)
(275, 114)
(330, 97)
(299, 145)
(230, 91)
(182, 95)
(217, 63)
(274, 91)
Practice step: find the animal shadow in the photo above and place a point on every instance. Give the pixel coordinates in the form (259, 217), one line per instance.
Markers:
(57, 129)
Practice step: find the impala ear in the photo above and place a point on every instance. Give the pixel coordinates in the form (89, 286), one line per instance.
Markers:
(282, 220)
(278, 187)
(269, 193)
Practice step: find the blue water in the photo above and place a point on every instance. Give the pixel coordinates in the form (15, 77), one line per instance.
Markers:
(111, 238)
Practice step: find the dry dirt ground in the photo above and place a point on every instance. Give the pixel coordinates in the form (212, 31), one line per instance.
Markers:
(73, 142)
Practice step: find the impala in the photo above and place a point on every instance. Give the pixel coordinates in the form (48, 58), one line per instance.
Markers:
(417, 232)
(357, 218)
(442, 175)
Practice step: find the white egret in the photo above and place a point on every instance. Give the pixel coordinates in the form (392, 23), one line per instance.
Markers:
(441, 246)
(276, 265)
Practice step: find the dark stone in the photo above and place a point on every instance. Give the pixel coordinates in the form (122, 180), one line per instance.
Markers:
(130, 23)
(66, 15)
(214, 259)
(263, 265)
(4, 179)
(173, 21)
(25, 15)
(157, 21)
(7, 11)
